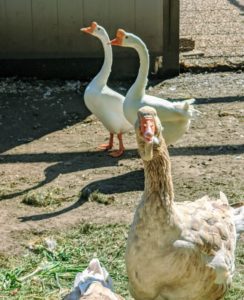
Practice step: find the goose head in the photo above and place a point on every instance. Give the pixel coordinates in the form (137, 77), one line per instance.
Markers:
(93, 273)
(148, 132)
(96, 30)
(125, 39)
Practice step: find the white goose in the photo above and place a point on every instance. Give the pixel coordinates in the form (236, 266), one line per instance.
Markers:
(174, 116)
(102, 101)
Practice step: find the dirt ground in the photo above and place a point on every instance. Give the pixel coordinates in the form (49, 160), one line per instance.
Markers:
(48, 143)
(216, 27)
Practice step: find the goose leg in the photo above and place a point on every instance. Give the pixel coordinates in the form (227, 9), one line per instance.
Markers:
(117, 153)
(109, 145)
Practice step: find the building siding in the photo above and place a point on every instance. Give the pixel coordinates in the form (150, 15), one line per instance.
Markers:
(51, 28)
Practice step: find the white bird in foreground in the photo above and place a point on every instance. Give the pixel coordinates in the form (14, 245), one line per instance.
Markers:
(94, 283)
(174, 116)
(102, 101)
(177, 250)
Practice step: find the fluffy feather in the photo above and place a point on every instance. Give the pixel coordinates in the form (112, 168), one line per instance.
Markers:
(177, 251)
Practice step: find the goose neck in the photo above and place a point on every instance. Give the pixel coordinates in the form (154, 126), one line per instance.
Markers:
(102, 77)
(158, 178)
(141, 81)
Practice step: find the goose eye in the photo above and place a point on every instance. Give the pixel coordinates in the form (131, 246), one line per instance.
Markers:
(98, 28)
(126, 37)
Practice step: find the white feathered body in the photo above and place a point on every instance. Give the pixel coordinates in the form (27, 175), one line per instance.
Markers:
(107, 105)
(174, 116)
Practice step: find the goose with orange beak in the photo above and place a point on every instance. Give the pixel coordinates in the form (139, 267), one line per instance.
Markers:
(105, 103)
(174, 116)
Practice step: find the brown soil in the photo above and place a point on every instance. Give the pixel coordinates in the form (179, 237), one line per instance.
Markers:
(216, 29)
(48, 143)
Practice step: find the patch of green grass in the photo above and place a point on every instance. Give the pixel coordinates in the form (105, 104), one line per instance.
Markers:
(236, 291)
(45, 273)
(43, 198)
(98, 197)
(4, 260)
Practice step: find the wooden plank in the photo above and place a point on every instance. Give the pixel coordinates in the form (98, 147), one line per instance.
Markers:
(3, 36)
(51, 28)
(149, 24)
(70, 20)
(45, 28)
(98, 11)
(121, 15)
(171, 16)
(111, 14)
(19, 27)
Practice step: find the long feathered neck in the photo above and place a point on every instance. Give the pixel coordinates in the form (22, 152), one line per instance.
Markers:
(102, 77)
(158, 177)
(137, 90)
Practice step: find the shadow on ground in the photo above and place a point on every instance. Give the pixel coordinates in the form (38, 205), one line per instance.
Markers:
(237, 4)
(79, 161)
(26, 117)
(128, 182)
(131, 181)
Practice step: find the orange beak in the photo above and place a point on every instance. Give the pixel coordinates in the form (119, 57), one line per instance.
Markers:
(147, 127)
(90, 29)
(118, 41)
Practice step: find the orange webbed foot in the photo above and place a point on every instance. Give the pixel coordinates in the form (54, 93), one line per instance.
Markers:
(104, 147)
(116, 153)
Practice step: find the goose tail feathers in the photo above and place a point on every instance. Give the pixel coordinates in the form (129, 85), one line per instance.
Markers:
(188, 108)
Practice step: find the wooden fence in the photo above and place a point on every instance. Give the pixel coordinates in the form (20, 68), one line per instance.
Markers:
(50, 29)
